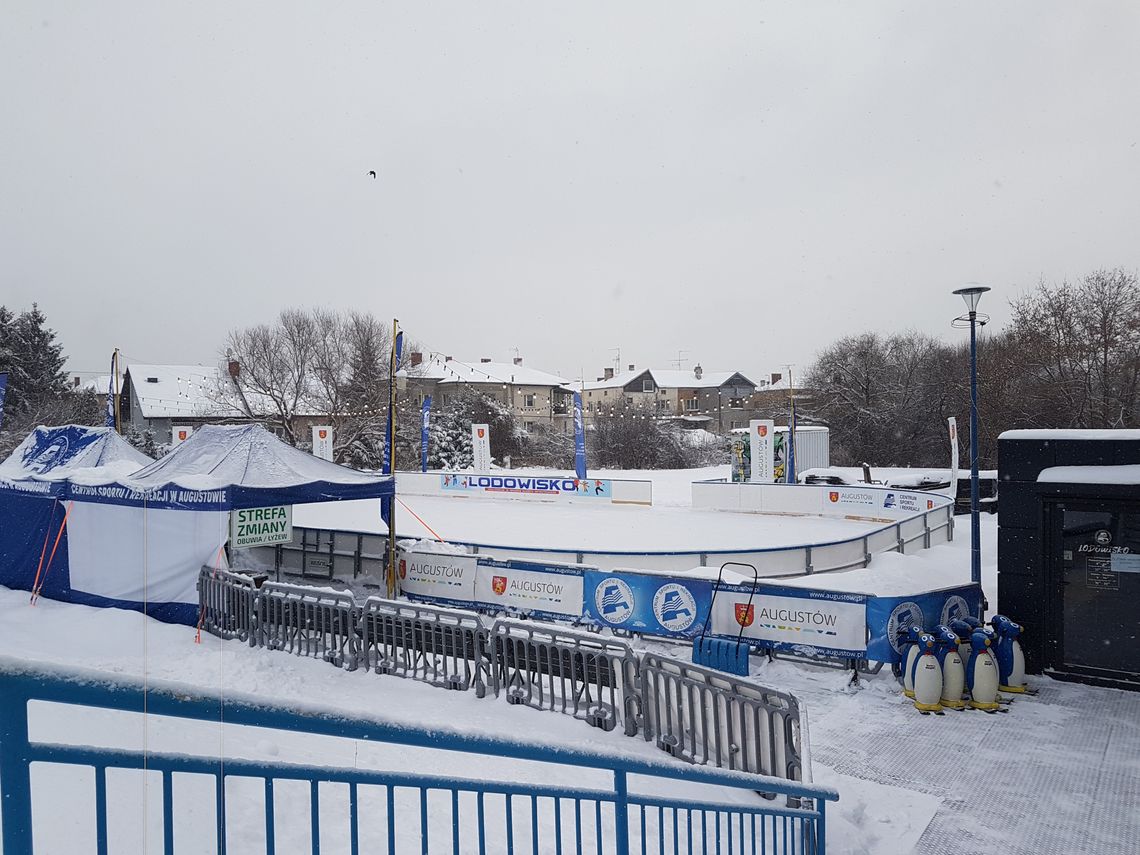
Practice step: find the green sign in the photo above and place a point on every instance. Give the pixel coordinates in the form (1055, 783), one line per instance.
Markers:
(261, 526)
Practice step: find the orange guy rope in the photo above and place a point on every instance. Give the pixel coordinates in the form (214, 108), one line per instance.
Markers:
(39, 584)
(424, 524)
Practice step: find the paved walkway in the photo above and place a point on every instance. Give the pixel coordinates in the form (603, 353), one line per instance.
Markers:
(1060, 773)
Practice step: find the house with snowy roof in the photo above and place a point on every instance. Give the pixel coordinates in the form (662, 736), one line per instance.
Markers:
(161, 397)
(714, 400)
(535, 397)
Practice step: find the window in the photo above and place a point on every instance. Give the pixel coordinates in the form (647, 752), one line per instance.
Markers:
(691, 404)
(528, 400)
(647, 384)
(528, 426)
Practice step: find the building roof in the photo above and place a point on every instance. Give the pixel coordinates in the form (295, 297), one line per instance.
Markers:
(498, 373)
(669, 379)
(181, 391)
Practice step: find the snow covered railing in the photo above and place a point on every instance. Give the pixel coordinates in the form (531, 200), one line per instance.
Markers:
(308, 622)
(227, 604)
(486, 813)
(588, 676)
(710, 718)
(443, 647)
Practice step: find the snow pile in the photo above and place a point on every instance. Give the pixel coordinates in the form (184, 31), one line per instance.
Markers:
(1127, 474)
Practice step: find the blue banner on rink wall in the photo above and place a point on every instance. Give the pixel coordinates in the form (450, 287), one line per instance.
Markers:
(651, 603)
(526, 485)
(886, 614)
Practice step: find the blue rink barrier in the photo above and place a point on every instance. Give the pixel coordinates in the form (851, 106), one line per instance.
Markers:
(794, 619)
(466, 814)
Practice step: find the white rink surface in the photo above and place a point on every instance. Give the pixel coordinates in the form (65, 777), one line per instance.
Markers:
(670, 525)
(575, 525)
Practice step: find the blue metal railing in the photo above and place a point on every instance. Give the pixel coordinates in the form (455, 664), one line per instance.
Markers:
(534, 817)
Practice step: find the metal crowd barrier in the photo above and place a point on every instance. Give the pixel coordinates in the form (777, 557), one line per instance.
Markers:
(227, 603)
(308, 622)
(699, 715)
(443, 647)
(709, 717)
(581, 674)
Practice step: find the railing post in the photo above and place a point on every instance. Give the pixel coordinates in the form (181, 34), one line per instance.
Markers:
(621, 813)
(15, 769)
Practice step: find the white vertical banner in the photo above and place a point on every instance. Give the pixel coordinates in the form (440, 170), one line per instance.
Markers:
(179, 434)
(762, 436)
(323, 441)
(481, 447)
(953, 425)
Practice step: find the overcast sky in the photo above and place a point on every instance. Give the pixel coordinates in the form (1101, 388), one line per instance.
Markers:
(742, 181)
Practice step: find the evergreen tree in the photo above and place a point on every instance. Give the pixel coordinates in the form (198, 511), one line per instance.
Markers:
(35, 361)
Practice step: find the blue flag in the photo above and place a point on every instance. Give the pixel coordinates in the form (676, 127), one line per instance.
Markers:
(791, 467)
(425, 420)
(110, 421)
(399, 347)
(3, 392)
(579, 439)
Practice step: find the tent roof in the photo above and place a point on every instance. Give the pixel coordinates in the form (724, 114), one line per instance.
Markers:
(57, 453)
(218, 468)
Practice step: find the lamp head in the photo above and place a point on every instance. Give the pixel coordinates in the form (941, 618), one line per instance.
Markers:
(972, 294)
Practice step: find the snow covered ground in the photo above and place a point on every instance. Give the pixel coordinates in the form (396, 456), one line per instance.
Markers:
(1059, 773)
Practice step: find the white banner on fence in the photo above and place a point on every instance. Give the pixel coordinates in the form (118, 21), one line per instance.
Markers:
(431, 574)
(323, 442)
(481, 447)
(762, 435)
(529, 590)
(791, 620)
(179, 434)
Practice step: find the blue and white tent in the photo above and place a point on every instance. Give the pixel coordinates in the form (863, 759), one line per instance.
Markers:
(136, 531)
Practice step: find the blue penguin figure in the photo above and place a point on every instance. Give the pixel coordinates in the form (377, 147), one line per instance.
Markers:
(1007, 651)
(926, 676)
(982, 671)
(909, 652)
(963, 629)
(953, 671)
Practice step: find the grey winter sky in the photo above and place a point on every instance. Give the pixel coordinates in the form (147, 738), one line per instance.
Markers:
(744, 181)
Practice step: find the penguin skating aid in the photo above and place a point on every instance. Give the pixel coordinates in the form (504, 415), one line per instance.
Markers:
(953, 671)
(1009, 656)
(926, 677)
(982, 672)
(909, 652)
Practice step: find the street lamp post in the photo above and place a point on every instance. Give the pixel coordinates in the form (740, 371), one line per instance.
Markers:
(972, 294)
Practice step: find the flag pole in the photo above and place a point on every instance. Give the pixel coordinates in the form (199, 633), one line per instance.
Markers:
(390, 461)
(118, 415)
(790, 466)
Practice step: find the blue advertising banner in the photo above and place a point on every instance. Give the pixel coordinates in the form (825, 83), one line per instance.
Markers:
(579, 439)
(885, 615)
(3, 392)
(526, 485)
(425, 421)
(648, 603)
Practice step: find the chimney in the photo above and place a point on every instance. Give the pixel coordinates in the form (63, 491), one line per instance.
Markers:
(417, 358)
(632, 366)
(76, 383)
(484, 359)
(235, 368)
(518, 360)
(609, 374)
(698, 371)
(776, 378)
(447, 359)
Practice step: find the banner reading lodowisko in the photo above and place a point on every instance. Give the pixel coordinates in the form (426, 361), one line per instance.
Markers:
(830, 623)
(527, 486)
(529, 587)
